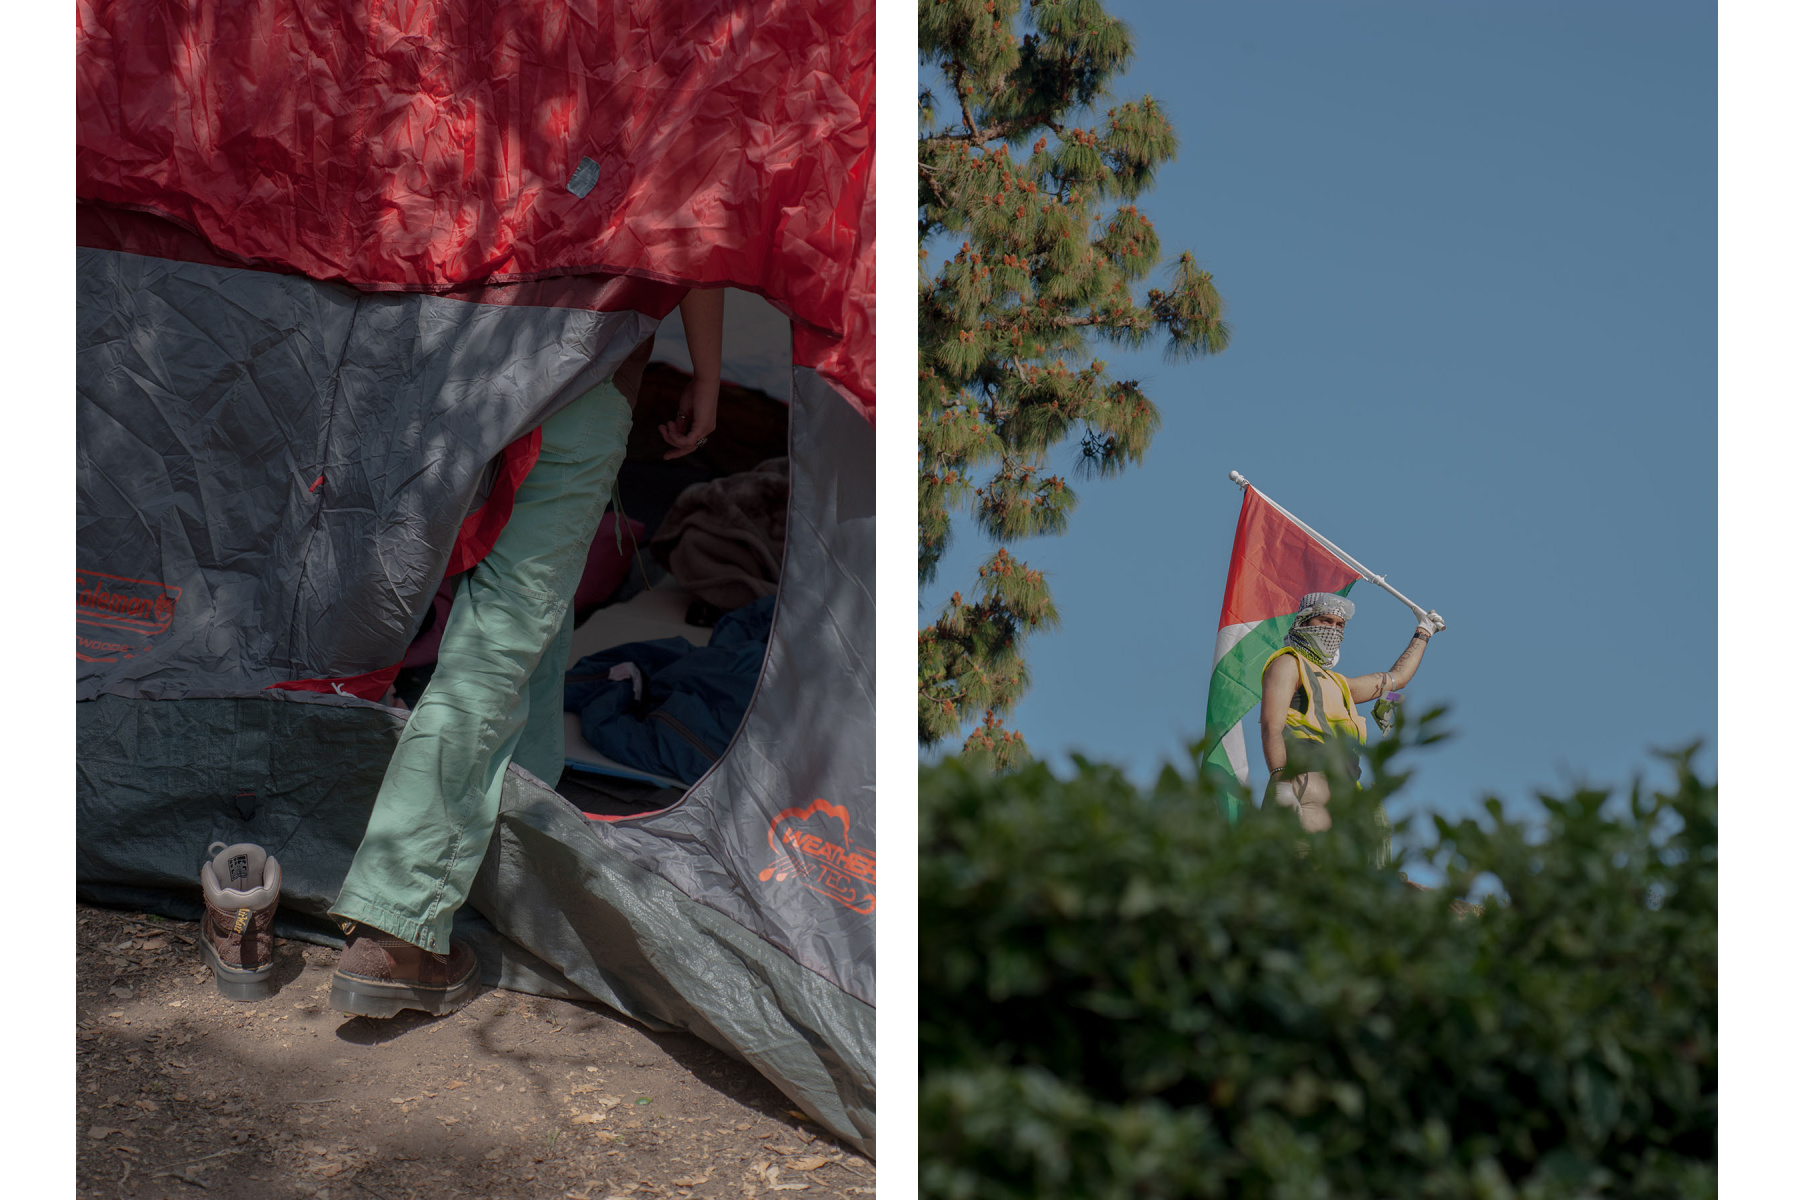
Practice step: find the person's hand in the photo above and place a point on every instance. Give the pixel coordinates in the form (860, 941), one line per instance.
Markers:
(1430, 623)
(695, 418)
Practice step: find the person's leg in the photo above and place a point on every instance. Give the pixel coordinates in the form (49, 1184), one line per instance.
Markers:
(439, 799)
(1313, 792)
(540, 749)
(1307, 794)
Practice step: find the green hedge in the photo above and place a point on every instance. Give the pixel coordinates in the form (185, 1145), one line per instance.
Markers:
(1121, 996)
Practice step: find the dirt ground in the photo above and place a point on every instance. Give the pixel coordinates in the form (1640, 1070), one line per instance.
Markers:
(181, 1092)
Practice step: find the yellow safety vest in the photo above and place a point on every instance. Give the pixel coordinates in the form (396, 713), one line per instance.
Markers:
(1339, 710)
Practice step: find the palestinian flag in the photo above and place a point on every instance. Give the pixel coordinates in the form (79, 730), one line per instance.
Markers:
(1274, 563)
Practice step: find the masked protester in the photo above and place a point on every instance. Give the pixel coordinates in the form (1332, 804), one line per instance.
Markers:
(1307, 706)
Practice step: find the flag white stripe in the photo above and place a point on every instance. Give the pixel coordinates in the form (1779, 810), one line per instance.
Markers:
(1229, 636)
(1235, 754)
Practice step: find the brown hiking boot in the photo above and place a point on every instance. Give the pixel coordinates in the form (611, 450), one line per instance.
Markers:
(237, 932)
(378, 975)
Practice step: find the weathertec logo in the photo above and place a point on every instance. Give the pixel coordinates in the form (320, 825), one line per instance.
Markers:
(813, 845)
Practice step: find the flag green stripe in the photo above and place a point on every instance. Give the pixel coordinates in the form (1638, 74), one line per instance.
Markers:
(1236, 689)
(1237, 678)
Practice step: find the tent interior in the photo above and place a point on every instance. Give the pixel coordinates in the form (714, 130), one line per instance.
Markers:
(643, 598)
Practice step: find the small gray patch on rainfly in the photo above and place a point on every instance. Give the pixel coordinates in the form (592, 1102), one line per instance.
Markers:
(585, 177)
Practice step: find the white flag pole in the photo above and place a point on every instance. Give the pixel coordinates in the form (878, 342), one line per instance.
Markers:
(1380, 582)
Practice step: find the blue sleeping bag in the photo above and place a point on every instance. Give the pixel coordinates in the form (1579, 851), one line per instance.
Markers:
(694, 697)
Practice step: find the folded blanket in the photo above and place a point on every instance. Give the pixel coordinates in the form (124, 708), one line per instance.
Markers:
(724, 538)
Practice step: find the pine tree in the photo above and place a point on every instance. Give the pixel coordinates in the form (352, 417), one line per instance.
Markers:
(1039, 184)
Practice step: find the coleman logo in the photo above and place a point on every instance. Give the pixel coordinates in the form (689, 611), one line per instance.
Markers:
(132, 609)
(813, 845)
(138, 604)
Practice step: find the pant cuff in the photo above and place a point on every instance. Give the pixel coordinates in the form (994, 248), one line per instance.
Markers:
(431, 933)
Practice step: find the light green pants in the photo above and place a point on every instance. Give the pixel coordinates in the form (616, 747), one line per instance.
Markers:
(497, 693)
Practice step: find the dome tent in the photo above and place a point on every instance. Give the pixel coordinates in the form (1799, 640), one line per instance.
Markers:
(333, 270)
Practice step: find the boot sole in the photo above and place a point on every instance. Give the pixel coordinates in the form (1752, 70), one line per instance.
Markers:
(361, 996)
(243, 984)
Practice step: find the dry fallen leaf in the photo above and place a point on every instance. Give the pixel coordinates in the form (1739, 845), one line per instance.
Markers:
(454, 1084)
(593, 1118)
(797, 1114)
(100, 1131)
(579, 1088)
(146, 1105)
(811, 1162)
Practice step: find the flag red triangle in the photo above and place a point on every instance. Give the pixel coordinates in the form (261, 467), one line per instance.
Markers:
(1273, 563)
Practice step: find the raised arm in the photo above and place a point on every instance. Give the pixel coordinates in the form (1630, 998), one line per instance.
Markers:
(703, 321)
(1368, 687)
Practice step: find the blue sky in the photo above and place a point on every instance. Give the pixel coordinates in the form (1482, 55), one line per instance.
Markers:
(1468, 253)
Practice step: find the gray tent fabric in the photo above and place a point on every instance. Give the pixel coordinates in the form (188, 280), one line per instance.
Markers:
(796, 860)
(554, 882)
(218, 565)
(284, 464)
